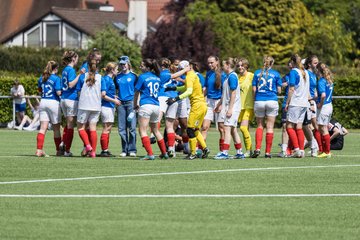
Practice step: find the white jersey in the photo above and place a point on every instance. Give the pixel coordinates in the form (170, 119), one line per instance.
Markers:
(20, 91)
(226, 94)
(301, 91)
(90, 96)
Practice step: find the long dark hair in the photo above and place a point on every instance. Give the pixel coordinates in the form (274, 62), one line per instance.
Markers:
(152, 65)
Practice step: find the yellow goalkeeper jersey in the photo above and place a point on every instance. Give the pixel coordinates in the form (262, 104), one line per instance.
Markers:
(247, 99)
(193, 81)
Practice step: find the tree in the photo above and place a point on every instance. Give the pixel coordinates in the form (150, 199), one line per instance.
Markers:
(112, 45)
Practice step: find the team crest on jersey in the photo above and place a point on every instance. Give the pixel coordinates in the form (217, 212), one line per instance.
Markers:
(129, 79)
(197, 123)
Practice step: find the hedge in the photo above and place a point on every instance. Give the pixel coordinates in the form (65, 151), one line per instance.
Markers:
(347, 111)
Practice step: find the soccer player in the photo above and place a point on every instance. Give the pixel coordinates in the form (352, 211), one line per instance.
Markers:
(229, 107)
(337, 133)
(94, 54)
(108, 107)
(69, 99)
(92, 89)
(148, 85)
(49, 86)
(213, 94)
(266, 85)
(324, 107)
(297, 105)
(310, 64)
(193, 90)
(247, 102)
(125, 84)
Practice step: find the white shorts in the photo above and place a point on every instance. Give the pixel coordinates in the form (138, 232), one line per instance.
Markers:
(50, 111)
(312, 113)
(69, 107)
(107, 115)
(232, 121)
(182, 110)
(150, 111)
(169, 111)
(296, 114)
(266, 108)
(324, 114)
(210, 114)
(85, 116)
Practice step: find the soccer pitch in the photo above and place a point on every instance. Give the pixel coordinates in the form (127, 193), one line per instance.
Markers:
(125, 198)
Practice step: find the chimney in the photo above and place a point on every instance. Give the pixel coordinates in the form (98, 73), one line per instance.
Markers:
(137, 22)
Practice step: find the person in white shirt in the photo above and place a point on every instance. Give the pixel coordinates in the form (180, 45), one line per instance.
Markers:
(18, 92)
(297, 104)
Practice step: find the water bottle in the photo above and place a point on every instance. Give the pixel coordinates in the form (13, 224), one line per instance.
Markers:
(131, 116)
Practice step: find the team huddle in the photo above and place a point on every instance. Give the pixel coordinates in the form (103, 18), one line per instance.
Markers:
(229, 95)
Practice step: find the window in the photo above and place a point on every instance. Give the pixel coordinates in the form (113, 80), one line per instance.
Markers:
(72, 38)
(52, 35)
(33, 38)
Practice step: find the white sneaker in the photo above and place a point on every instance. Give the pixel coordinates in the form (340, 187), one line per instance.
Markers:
(314, 152)
(132, 154)
(68, 154)
(18, 128)
(123, 154)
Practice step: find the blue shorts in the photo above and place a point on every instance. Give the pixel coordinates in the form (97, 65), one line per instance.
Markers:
(20, 107)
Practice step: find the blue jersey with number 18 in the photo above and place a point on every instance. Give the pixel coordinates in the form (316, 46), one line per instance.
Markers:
(148, 85)
(266, 86)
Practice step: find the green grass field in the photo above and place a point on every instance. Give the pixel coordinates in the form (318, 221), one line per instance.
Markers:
(124, 198)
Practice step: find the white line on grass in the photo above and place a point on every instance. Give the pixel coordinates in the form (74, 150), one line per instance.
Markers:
(176, 173)
(183, 195)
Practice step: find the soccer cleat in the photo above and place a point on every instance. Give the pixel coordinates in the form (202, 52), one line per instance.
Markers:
(239, 156)
(296, 154)
(267, 155)
(248, 153)
(147, 157)
(221, 156)
(282, 154)
(324, 155)
(171, 153)
(132, 154)
(41, 153)
(314, 152)
(92, 154)
(123, 154)
(61, 149)
(191, 156)
(68, 154)
(255, 154)
(164, 156)
(205, 153)
(106, 154)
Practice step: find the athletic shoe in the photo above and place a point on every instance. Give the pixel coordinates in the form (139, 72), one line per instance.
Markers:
(190, 157)
(171, 153)
(92, 154)
(256, 153)
(267, 155)
(132, 154)
(221, 156)
(282, 154)
(40, 153)
(68, 154)
(205, 153)
(314, 152)
(61, 149)
(297, 154)
(239, 156)
(218, 154)
(324, 155)
(147, 157)
(164, 156)
(123, 154)
(106, 154)
(152, 140)
(18, 128)
(248, 153)
(84, 152)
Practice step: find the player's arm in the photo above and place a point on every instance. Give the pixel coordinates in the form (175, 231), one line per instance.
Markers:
(336, 133)
(74, 82)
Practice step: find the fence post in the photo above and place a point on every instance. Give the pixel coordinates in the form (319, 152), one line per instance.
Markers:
(13, 100)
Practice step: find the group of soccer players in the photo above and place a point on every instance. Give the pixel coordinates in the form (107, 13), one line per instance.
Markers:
(229, 95)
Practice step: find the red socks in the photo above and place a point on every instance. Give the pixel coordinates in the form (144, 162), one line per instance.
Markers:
(293, 137)
(65, 133)
(84, 137)
(57, 142)
(258, 138)
(171, 139)
(237, 146)
(225, 147)
(69, 138)
(162, 146)
(40, 141)
(146, 143)
(317, 136)
(221, 144)
(104, 141)
(269, 140)
(301, 138)
(93, 140)
(326, 141)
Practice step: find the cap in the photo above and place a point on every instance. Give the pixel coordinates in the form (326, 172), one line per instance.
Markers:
(124, 60)
(183, 64)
